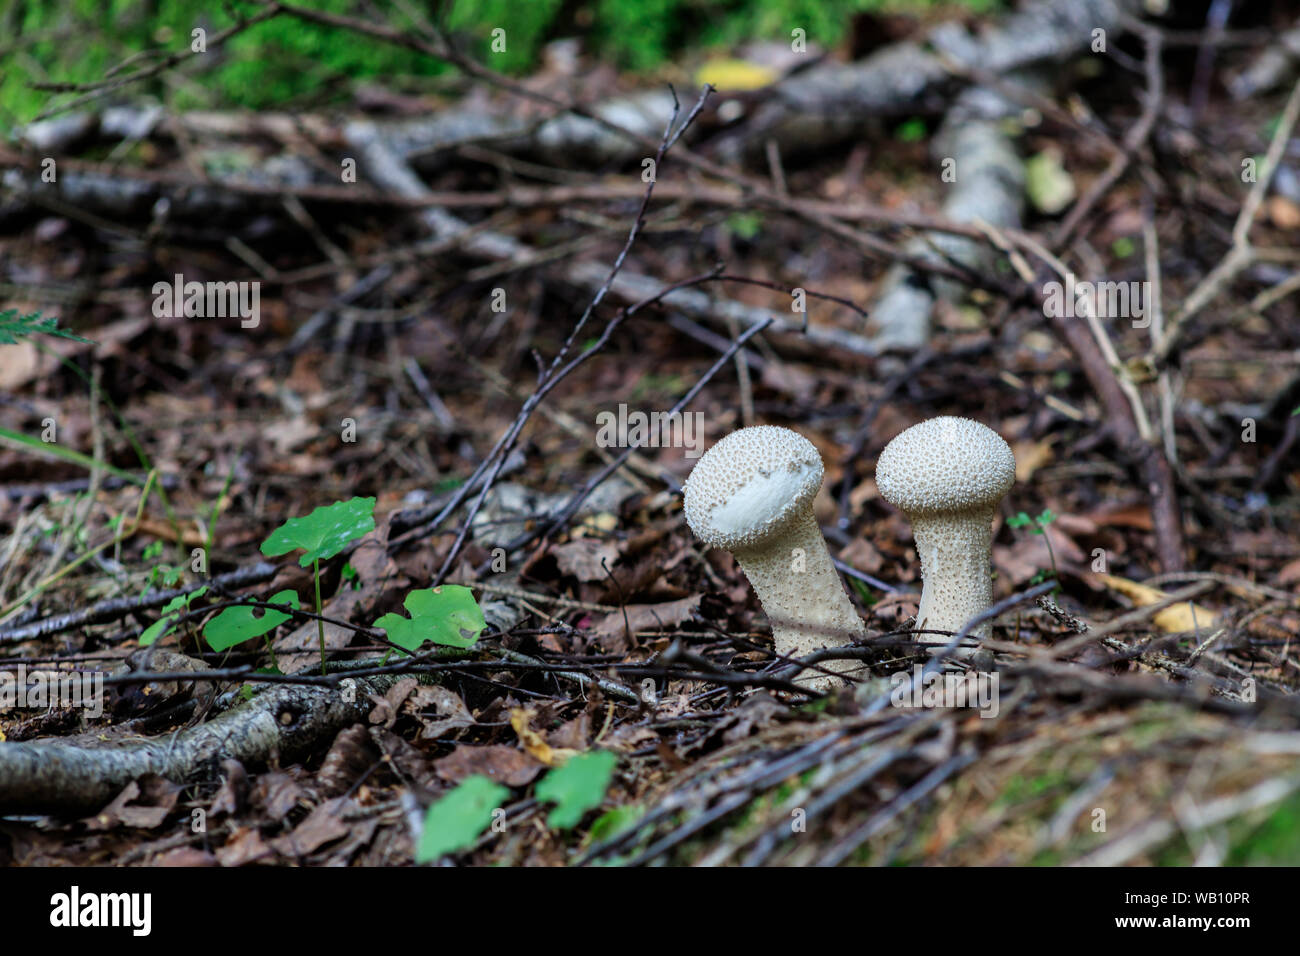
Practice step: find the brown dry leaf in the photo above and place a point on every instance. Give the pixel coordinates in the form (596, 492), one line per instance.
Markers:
(499, 762)
(157, 796)
(447, 704)
(1290, 573)
(246, 846)
(613, 630)
(533, 742)
(184, 856)
(1174, 619)
(1136, 516)
(351, 755)
(574, 734)
(232, 795)
(628, 737)
(1030, 456)
(582, 558)
(389, 706)
(321, 826)
(277, 793)
(1283, 212)
(862, 554)
(1020, 561)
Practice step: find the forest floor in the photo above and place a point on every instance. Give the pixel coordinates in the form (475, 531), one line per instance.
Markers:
(1146, 707)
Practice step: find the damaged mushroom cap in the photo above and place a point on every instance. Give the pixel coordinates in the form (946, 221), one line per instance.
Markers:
(752, 494)
(945, 465)
(750, 485)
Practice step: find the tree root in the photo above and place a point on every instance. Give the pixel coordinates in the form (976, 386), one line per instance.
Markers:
(284, 722)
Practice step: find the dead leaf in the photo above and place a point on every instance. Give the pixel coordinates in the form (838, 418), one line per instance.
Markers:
(1174, 619)
(277, 793)
(348, 758)
(1030, 456)
(321, 826)
(230, 798)
(157, 798)
(1020, 561)
(389, 706)
(500, 762)
(582, 558)
(1283, 212)
(451, 710)
(1137, 516)
(612, 632)
(533, 742)
(244, 847)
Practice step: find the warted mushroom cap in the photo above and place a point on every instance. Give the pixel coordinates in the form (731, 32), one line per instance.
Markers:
(750, 484)
(945, 465)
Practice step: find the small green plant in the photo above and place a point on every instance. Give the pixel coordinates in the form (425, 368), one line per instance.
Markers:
(1038, 525)
(172, 613)
(235, 625)
(454, 821)
(576, 787)
(321, 535)
(448, 616)
(14, 327)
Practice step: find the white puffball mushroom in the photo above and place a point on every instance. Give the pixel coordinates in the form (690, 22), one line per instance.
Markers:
(752, 494)
(948, 474)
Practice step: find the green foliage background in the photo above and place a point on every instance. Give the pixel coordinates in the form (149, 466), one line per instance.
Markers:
(285, 62)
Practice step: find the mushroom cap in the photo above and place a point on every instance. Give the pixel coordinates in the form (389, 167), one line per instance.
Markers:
(750, 484)
(945, 465)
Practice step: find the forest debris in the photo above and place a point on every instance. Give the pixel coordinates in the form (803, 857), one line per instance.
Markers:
(614, 631)
(1174, 619)
(587, 559)
(534, 743)
(987, 186)
(500, 762)
(321, 826)
(285, 721)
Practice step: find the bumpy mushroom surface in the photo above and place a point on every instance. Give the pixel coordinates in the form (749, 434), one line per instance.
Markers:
(752, 495)
(948, 474)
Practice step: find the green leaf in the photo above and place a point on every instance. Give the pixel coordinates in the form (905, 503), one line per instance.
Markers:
(910, 131)
(1020, 520)
(171, 613)
(613, 822)
(456, 820)
(577, 787)
(323, 533)
(14, 327)
(441, 615)
(235, 625)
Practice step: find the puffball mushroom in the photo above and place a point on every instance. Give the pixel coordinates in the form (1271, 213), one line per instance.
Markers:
(948, 474)
(751, 494)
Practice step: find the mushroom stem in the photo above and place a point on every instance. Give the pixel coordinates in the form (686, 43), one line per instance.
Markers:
(954, 548)
(801, 593)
